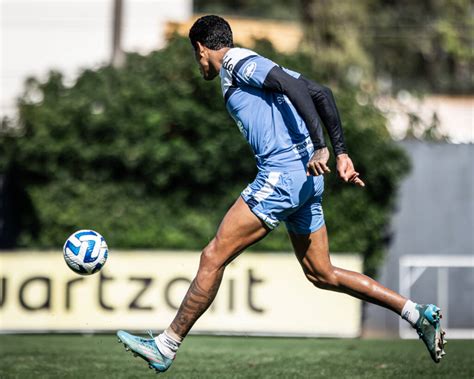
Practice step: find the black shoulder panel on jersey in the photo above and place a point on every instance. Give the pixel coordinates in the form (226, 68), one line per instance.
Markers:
(296, 90)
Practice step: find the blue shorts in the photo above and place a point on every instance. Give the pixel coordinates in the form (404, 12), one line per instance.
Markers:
(293, 197)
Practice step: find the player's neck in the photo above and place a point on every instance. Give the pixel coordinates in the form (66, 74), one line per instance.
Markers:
(217, 57)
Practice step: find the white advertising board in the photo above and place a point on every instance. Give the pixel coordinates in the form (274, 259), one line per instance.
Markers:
(137, 290)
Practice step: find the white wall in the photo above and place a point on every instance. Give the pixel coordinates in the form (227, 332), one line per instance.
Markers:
(67, 35)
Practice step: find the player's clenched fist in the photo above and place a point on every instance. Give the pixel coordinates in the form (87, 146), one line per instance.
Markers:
(317, 165)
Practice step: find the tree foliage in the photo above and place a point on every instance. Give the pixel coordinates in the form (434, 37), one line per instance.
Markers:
(274, 9)
(333, 32)
(423, 45)
(148, 156)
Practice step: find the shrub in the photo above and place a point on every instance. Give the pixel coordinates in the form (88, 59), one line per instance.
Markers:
(147, 155)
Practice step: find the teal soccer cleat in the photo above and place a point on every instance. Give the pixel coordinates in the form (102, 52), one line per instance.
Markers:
(146, 349)
(429, 329)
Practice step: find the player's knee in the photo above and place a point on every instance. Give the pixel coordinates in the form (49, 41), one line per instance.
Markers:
(209, 257)
(213, 256)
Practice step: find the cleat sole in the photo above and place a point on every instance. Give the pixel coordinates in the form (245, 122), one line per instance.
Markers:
(142, 357)
(440, 343)
(436, 347)
(136, 354)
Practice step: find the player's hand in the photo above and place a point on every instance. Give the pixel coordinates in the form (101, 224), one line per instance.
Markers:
(346, 171)
(317, 165)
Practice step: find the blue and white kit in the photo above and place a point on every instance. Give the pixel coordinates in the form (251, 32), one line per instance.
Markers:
(280, 141)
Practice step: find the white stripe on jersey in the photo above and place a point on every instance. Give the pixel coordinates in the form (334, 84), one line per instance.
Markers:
(231, 58)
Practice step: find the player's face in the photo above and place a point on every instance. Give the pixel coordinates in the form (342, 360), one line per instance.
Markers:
(202, 55)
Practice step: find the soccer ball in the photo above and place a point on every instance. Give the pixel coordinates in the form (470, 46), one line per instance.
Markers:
(85, 252)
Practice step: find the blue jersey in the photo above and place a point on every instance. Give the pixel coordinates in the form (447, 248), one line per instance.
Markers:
(269, 122)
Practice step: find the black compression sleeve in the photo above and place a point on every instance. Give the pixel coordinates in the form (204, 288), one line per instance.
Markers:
(297, 91)
(326, 106)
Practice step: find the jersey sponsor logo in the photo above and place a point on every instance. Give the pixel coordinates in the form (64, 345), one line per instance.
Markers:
(302, 149)
(250, 69)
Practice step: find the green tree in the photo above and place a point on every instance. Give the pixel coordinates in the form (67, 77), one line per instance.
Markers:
(274, 9)
(333, 32)
(147, 155)
(424, 45)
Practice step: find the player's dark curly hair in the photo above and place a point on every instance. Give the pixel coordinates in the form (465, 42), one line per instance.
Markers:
(212, 31)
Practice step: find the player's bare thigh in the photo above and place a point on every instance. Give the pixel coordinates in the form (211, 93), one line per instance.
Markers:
(239, 229)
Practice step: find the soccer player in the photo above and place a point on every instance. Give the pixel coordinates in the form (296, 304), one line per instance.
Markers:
(277, 111)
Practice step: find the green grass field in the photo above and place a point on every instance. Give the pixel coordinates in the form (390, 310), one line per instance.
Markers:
(100, 356)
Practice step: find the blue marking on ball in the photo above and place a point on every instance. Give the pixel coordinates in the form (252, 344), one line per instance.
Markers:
(73, 248)
(86, 233)
(90, 249)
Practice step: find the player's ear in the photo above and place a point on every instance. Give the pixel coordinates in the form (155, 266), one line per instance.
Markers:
(201, 49)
